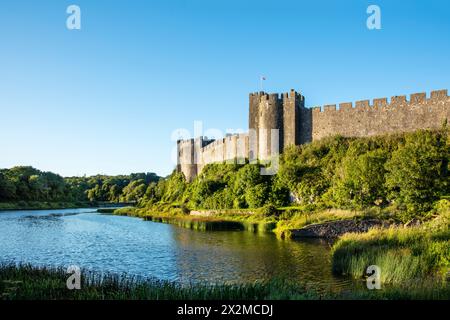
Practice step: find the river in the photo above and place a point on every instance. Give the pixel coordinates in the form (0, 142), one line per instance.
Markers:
(118, 244)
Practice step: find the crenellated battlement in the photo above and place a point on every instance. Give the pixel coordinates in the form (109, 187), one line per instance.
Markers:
(363, 105)
(264, 96)
(382, 115)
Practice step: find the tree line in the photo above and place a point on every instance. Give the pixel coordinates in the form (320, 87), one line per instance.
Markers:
(24, 183)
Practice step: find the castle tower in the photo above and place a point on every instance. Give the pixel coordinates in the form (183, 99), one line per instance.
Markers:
(190, 156)
(268, 112)
(293, 105)
(266, 115)
(186, 161)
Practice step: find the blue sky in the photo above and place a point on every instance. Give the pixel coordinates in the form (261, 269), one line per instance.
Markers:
(106, 98)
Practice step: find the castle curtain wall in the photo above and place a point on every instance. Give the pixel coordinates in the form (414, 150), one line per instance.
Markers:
(369, 118)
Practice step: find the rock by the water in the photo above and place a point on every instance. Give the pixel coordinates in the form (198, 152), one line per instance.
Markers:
(334, 229)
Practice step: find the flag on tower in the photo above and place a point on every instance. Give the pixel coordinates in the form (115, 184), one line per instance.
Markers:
(261, 79)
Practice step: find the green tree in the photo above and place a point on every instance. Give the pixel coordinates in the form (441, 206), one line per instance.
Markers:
(176, 185)
(416, 173)
(7, 188)
(359, 181)
(134, 191)
(257, 196)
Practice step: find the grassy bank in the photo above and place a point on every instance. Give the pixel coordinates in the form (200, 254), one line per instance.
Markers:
(27, 282)
(42, 205)
(221, 220)
(402, 253)
(266, 219)
(31, 283)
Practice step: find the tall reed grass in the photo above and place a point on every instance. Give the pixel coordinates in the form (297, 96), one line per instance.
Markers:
(40, 283)
(25, 282)
(402, 253)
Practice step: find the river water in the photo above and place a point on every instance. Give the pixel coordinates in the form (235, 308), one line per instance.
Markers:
(118, 244)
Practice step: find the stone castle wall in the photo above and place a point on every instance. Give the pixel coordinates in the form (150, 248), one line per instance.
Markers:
(194, 154)
(368, 118)
(294, 124)
(231, 149)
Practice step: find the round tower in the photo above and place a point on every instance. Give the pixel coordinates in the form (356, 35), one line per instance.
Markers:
(265, 124)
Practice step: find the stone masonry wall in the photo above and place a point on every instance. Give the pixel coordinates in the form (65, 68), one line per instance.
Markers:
(380, 117)
(230, 149)
(194, 154)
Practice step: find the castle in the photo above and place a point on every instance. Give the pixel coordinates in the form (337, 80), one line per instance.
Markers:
(277, 121)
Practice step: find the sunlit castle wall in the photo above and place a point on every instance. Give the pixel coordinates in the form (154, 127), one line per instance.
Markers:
(369, 118)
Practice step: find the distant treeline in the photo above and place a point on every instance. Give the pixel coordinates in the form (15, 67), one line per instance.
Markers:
(30, 184)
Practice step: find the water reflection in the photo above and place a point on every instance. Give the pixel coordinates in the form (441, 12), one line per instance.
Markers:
(237, 257)
(122, 244)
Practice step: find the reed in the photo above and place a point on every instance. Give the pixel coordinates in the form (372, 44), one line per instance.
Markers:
(402, 253)
(26, 282)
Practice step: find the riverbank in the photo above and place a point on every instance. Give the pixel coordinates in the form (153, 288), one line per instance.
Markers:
(286, 223)
(31, 283)
(46, 205)
(43, 205)
(216, 220)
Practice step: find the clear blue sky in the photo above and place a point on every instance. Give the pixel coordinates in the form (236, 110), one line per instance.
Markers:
(106, 98)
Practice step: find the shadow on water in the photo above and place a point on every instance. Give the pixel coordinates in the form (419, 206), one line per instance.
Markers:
(220, 225)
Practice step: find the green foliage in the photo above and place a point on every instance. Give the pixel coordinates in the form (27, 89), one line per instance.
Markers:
(278, 194)
(28, 184)
(417, 171)
(25, 282)
(402, 253)
(219, 186)
(406, 171)
(256, 196)
(134, 191)
(269, 210)
(359, 181)
(175, 187)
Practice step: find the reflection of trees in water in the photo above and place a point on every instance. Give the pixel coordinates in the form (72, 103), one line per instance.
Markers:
(245, 257)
